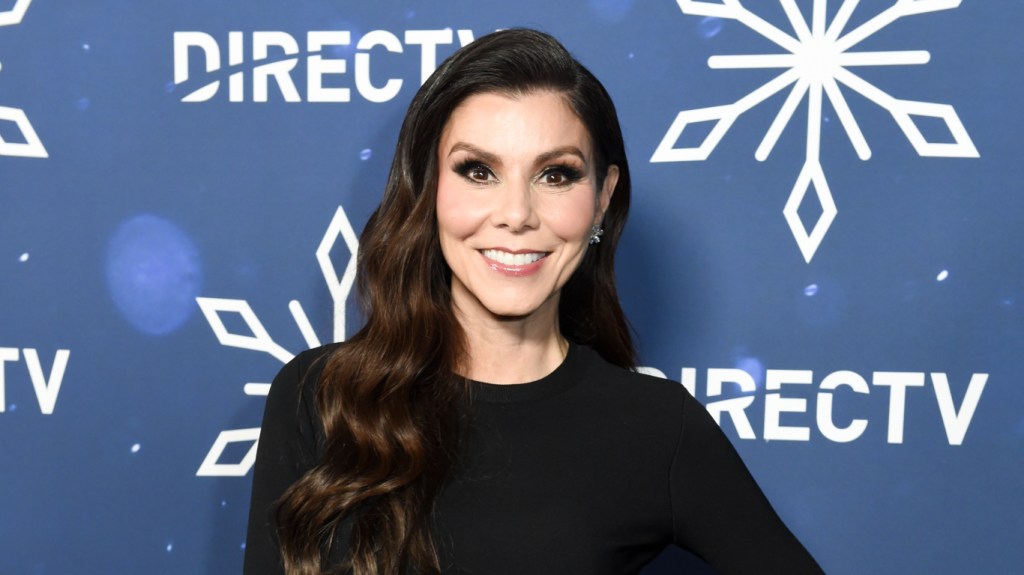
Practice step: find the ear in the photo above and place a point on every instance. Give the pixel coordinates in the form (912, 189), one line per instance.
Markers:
(604, 197)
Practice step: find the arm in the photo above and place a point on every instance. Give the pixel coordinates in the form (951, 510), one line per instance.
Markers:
(287, 450)
(720, 513)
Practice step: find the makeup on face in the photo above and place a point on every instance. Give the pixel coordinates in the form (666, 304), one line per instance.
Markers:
(515, 203)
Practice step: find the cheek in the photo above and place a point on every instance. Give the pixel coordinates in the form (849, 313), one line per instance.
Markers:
(573, 219)
(455, 218)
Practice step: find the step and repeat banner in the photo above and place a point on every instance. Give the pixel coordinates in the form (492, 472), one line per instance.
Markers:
(825, 247)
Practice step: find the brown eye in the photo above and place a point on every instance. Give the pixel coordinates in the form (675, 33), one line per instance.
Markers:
(560, 176)
(479, 173)
(555, 178)
(475, 172)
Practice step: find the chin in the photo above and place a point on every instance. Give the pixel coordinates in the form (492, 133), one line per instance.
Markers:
(510, 312)
(515, 308)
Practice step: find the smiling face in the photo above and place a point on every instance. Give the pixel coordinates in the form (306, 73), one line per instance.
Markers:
(516, 200)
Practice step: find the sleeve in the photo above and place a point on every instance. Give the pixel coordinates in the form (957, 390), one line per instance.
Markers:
(288, 448)
(718, 510)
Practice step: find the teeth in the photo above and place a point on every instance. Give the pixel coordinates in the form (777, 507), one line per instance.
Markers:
(508, 259)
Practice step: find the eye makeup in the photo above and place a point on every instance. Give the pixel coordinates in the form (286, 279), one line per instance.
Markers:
(557, 175)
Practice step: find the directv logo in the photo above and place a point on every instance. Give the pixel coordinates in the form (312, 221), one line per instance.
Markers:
(259, 45)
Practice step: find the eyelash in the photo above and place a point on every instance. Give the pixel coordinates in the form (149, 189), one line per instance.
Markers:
(570, 174)
(466, 167)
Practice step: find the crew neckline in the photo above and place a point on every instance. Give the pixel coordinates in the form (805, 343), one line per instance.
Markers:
(565, 376)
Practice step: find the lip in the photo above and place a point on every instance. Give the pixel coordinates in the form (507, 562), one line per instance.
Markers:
(515, 270)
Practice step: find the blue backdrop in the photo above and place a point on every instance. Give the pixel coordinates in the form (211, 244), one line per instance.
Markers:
(825, 246)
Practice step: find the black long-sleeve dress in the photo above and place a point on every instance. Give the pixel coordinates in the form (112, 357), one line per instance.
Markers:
(591, 470)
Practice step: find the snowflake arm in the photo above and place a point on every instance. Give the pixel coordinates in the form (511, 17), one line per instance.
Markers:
(258, 340)
(845, 60)
(902, 111)
(796, 19)
(725, 116)
(838, 101)
(211, 465)
(733, 10)
(256, 389)
(339, 286)
(898, 10)
(771, 137)
(303, 323)
(14, 14)
(32, 147)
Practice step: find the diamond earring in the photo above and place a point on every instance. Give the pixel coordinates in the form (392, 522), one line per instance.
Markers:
(595, 234)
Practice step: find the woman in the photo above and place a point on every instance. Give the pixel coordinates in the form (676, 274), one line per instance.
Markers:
(490, 259)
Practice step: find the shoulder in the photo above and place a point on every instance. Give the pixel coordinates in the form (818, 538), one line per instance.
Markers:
(619, 380)
(661, 400)
(308, 363)
(291, 401)
(302, 371)
(635, 419)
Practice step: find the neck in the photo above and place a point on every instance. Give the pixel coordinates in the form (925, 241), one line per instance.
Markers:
(512, 350)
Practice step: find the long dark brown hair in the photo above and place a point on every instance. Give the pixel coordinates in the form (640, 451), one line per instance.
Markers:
(389, 398)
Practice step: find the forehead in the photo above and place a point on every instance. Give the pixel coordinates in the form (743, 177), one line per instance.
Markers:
(519, 124)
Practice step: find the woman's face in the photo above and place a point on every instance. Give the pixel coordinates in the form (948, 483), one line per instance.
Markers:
(516, 200)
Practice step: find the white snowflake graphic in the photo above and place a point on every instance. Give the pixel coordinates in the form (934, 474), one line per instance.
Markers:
(258, 339)
(31, 146)
(817, 59)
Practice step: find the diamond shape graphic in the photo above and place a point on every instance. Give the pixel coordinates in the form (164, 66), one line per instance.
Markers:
(211, 466)
(722, 117)
(14, 14)
(30, 146)
(811, 178)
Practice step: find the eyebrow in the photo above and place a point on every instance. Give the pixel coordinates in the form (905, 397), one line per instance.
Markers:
(559, 152)
(482, 154)
(490, 158)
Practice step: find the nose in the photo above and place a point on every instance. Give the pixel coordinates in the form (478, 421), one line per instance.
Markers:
(515, 209)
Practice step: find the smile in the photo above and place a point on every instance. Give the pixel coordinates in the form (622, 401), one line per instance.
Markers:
(509, 259)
